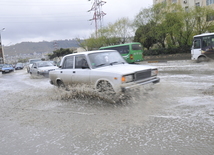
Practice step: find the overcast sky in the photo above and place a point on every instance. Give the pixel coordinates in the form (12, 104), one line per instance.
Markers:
(48, 20)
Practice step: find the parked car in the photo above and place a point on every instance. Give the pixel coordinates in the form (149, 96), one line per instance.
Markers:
(103, 70)
(6, 68)
(19, 66)
(30, 63)
(42, 68)
(53, 62)
(1, 65)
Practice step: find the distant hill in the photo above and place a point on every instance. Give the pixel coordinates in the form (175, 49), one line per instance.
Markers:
(38, 47)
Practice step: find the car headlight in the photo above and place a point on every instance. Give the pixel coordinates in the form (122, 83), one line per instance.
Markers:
(202, 52)
(127, 78)
(154, 72)
(42, 71)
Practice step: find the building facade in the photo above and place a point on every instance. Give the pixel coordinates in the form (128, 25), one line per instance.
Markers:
(187, 3)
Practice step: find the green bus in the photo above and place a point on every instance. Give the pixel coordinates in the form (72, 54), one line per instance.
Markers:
(131, 52)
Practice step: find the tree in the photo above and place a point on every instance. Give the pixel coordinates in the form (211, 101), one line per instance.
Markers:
(151, 20)
(172, 25)
(122, 29)
(116, 33)
(144, 35)
(202, 17)
(60, 53)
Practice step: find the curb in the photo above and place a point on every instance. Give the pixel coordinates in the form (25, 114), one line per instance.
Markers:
(165, 61)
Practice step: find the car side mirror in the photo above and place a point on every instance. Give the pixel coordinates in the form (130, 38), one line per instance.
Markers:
(85, 66)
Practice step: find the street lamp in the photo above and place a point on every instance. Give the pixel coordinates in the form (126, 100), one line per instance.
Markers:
(1, 49)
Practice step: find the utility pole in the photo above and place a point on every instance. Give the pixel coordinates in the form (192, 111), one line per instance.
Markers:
(98, 13)
(1, 49)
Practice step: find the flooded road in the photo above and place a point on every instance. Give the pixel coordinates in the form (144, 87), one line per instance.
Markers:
(175, 116)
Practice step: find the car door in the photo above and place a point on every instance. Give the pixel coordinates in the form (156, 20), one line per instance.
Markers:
(33, 69)
(66, 71)
(196, 49)
(211, 54)
(81, 72)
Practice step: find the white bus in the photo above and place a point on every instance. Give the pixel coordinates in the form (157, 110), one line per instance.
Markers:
(203, 47)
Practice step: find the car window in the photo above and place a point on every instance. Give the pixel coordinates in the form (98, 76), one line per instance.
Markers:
(68, 63)
(197, 44)
(32, 61)
(44, 64)
(136, 47)
(105, 58)
(121, 49)
(80, 61)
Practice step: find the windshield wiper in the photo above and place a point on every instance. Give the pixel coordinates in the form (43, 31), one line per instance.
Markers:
(113, 62)
(100, 65)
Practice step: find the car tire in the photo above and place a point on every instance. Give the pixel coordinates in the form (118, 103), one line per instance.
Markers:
(61, 85)
(105, 87)
(202, 59)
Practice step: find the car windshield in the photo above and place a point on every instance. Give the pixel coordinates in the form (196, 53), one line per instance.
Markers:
(19, 64)
(6, 66)
(44, 64)
(32, 61)
(107, 58)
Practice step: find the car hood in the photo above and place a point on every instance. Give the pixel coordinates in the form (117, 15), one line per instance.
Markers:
(48, 68)
(125, 68)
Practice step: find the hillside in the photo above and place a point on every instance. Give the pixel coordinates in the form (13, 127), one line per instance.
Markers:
(38, 47)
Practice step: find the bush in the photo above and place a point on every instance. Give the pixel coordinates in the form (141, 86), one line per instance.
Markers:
(163, 51)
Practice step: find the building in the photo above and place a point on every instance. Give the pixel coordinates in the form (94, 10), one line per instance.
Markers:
(187, 3)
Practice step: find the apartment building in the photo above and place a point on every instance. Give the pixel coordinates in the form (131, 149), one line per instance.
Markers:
(187, 3)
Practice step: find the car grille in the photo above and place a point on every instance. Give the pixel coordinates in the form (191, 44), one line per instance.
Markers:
(51, 70)
(142, 74)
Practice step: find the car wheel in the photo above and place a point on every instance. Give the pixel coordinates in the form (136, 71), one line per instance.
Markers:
(38, 73)
(105, 86)
(61, 85)
(202, 59)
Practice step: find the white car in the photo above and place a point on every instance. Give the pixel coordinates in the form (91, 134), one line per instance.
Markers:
(102, 70)
(42, 68)
(30, 63)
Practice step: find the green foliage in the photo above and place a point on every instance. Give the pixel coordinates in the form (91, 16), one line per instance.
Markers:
(60, 53)
(168, 27)
(145, 35)
(171, 26)
(171, 50)
(112, 34)
(22, 60)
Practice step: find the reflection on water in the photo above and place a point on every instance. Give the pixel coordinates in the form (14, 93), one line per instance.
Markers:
(175, 116)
